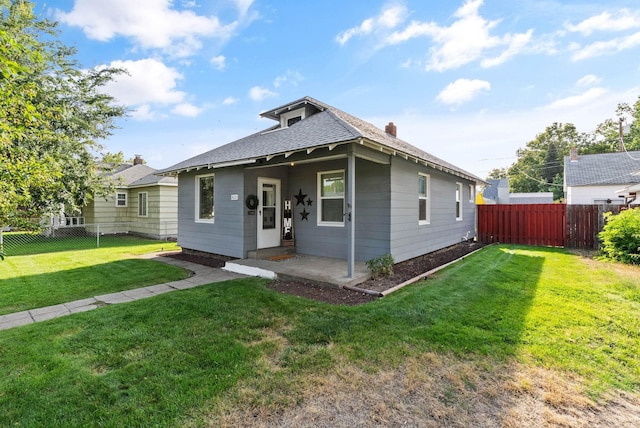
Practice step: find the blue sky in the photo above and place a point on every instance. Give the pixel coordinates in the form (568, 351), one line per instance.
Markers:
(470, 81)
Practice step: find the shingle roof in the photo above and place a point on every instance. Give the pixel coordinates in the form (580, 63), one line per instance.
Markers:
(602, 169)
(138, 175)
(329, 126)
(491, 191)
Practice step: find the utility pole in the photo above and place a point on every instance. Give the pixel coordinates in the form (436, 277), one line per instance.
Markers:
(621, 145)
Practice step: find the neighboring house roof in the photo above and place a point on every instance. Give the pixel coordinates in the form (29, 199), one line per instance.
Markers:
(491, 191)
(127, 175)
(531, 198)
(326, 128)
(602, 169)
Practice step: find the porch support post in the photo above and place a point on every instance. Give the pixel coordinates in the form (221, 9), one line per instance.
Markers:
(351, 211)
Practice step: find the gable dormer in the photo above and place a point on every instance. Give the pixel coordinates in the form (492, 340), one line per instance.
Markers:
(294, 112)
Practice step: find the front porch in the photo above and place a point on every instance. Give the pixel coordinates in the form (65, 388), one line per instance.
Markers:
(321, 270)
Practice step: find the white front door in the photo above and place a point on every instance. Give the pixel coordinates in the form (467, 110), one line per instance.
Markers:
(269, 222)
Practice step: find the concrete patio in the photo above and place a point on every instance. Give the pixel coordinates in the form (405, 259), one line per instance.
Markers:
(322, 270)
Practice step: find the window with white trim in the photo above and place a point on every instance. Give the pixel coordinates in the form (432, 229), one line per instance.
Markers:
(424, 208)
(291, 117)
(458, 201)
(143, 198)
(204, 198)
(331, 194)
(121, 199)
(472, 193)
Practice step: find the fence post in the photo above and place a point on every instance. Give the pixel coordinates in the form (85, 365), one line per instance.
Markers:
(98, 235)
(1, 241)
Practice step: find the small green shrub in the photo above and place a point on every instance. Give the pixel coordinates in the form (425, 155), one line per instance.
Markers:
(620, 237)
(382, 265)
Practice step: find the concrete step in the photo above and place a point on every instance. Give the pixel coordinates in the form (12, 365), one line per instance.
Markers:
(274, 253)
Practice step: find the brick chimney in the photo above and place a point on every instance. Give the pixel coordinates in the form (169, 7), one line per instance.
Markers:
(391, 129)
(573, 154)
(138, 160)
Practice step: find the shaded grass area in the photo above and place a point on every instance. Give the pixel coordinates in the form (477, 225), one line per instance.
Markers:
(191, 357)
(27, 243)
(38, 280)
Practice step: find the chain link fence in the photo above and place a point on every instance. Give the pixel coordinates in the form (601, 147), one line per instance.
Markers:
(79, 236)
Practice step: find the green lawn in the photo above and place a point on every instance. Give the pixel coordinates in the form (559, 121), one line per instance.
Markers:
(58, 276)
(187, 357)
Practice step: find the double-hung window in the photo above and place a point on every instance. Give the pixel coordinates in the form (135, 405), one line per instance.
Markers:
(142, 204)
(424, 214)
(121, 199)
(331, 194)
(204, 198)
(472, 193)
(458, 201)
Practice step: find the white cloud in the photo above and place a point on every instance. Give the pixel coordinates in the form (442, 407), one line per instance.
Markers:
(258, 93)
(588, 80)
(149, 81)
(481, 141)
(186, 109)
(229, 101)
(623, 20)
(143, 113)
(465, 40)
(515, 43)
(243, 6)
(219, 62)
(290, 76)
(151, 24)
(577, 100)
(608, 47)
(462, 90)
(389, 18)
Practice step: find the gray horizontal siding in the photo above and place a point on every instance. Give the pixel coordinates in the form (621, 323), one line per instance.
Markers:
(408, 238)
(224, 236)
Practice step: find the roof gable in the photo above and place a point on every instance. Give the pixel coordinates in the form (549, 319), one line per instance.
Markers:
(127, 175)
(324, 126)
(602, 169)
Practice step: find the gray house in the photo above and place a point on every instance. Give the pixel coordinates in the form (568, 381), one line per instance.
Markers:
(326, 182)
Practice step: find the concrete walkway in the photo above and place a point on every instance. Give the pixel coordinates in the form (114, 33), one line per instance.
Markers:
(201, 275)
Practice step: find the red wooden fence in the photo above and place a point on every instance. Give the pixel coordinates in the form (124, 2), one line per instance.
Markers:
(557, 225)
(528, 224)
(584, 222)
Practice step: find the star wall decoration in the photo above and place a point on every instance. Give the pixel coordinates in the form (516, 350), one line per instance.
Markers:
(305, 214)
(309, 202)
(300, 198)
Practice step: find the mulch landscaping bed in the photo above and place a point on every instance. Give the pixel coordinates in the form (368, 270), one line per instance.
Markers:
(402, 272)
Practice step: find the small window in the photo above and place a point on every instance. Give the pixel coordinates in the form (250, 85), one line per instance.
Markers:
(331, 194)
(142, 204)
(121, 199)
(204, 198)
(458, 201)
(472, 193)
(423, 199)
(292, 117)
(294, 120)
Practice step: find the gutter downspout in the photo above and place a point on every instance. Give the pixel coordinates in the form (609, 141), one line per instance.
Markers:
(351, 211)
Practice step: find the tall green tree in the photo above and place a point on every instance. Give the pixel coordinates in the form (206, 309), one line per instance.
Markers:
(539, 166)
(53, 114)
(497, 173)
(631, 115)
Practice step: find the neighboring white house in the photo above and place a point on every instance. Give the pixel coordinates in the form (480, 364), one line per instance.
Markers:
(601, 178)
(143, 204)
